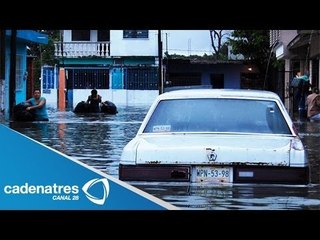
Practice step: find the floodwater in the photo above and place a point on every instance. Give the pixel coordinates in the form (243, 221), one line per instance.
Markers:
(98, 139)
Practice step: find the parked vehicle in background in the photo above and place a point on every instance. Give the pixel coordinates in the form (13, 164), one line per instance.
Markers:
(219, 136)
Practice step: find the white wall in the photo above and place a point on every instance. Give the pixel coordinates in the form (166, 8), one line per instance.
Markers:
(125, 47)
(133, 97)
(287, 36)
(51, 98)
(119, 97)
(67, 35)
(120, 46)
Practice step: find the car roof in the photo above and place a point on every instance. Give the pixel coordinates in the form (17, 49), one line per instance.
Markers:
(220, 93)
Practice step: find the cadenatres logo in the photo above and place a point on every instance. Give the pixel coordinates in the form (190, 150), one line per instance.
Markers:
(105, 188)
(96, 190)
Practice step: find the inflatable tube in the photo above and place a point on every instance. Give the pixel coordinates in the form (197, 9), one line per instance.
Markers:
(21, 114)
(82, 107)
(108, 107)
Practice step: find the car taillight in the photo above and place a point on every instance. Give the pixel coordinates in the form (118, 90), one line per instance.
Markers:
(296, 144)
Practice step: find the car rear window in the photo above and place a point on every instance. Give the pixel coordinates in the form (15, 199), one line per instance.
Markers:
(217, 115)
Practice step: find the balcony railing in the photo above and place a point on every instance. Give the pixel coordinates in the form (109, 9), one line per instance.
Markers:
(82, 49)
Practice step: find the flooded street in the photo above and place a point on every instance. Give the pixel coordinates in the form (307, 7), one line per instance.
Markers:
(98, 139)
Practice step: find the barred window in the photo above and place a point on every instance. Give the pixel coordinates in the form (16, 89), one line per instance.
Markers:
(19, 72)
(135, 34)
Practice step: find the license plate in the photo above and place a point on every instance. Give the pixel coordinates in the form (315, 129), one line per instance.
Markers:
(212, 174)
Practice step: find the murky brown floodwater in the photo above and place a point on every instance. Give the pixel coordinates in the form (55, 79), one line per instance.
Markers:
(97, 140)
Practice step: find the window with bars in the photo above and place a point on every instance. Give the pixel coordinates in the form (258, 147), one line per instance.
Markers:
(141, 78)
(135, 34)
(19, 73)
(88, 78)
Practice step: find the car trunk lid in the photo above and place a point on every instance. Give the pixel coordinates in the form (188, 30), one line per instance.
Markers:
(221, 149)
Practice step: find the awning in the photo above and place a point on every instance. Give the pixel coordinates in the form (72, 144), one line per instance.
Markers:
(301, 40)
(30, 36)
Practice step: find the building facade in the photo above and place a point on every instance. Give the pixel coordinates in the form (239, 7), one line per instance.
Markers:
(112, 61)
(124, 66)
(300, 51)
(14, 82)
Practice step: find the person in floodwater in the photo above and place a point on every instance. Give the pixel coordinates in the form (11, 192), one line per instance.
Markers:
(313, 103)
(38, 104)
(302, 85)
(94, 101)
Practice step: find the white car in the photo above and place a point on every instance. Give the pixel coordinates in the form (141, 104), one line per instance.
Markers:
(216, 135)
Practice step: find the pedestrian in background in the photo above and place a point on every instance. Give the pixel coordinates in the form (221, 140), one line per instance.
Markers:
(313, 103)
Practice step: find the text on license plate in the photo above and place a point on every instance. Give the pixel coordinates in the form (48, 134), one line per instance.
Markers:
(212, 174)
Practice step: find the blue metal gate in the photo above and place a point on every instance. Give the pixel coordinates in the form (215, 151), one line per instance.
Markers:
(141, 78)
(48, 79)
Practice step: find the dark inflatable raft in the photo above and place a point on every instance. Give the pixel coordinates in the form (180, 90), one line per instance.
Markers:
(83, 107)
(21, 114)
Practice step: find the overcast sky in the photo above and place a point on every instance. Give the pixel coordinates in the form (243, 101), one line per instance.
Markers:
(187, 42)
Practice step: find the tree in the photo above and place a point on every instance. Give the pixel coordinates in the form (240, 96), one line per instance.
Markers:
(43, 54)
(254, 46)
(219, 47)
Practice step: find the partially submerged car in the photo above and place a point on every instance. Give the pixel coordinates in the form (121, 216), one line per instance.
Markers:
(216, 135)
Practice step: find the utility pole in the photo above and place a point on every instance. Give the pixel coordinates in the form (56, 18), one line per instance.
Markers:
(167, 43)
(189, 46)
(160, 62)
(12, 78)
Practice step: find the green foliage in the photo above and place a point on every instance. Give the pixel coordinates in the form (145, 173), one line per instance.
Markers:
(255, 47)
(37, 67)
(223, 54)
(205, 57)
(48, 53)
(252, 44)
(43, 53)
(278, 64)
